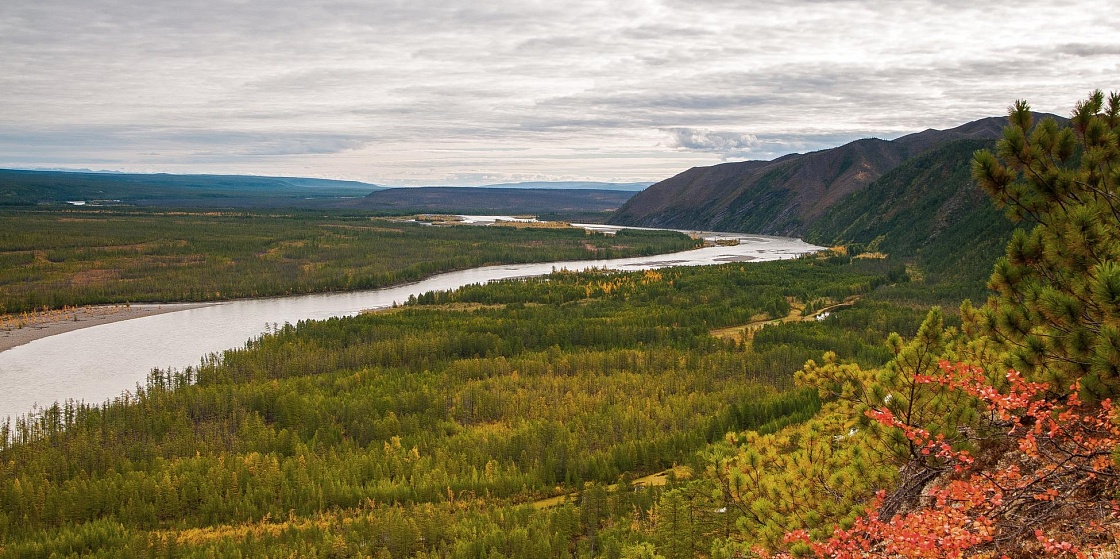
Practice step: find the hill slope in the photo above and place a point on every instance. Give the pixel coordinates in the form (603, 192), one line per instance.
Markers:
(928, 208)
(788, 195)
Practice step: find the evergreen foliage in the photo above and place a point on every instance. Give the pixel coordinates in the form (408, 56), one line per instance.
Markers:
(512, 419)
(437, 429)
(987, 464)
(927, 210)
(1057, 304)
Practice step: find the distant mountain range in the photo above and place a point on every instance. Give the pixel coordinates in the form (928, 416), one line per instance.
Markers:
(18, 187)
(574, 185)
(30, 187)
(910, 196)
(586, 201)
(493, 200)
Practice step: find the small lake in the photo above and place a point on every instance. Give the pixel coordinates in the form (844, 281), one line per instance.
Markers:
(101, 362)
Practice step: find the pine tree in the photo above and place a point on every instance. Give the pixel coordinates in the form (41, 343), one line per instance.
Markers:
(674, 526)
(1057, 303)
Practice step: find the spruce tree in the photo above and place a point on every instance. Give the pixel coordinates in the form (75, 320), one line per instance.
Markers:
(1056, 307)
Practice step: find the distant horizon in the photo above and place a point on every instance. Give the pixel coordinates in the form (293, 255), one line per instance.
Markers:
(398, 184)
(499, 185)
(463, 93)
(508, 183)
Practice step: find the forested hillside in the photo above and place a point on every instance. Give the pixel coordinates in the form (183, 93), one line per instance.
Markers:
(772, 197)
(928, 209)
(788, 195)
(912, 197)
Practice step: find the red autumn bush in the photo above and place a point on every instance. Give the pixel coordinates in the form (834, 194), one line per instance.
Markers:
(1051, 489)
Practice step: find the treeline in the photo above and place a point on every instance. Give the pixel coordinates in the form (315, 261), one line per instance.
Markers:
(435, 429)
(55, 258)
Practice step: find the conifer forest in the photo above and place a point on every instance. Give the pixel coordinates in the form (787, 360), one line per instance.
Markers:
(841, 404)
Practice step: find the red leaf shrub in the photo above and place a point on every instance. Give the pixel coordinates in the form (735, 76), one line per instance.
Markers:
(1052, 492)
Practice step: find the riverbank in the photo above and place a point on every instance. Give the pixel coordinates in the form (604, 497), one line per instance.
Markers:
(16, 330)
(95, 364)
(116, 255)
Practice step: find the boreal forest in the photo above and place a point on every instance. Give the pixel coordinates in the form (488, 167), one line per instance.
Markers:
(857, 402)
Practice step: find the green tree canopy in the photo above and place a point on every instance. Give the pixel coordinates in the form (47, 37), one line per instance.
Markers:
(1056, 307)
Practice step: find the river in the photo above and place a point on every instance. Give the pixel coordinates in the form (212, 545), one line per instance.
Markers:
(101, 362)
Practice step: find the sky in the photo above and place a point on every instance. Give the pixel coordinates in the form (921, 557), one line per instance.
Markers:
(474, 92)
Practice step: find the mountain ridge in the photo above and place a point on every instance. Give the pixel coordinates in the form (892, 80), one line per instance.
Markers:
(787, 195)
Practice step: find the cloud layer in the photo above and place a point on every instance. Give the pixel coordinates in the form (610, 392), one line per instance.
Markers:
(726, 144)
(432, 91)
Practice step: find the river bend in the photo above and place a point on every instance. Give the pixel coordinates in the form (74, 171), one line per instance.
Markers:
(101, 362)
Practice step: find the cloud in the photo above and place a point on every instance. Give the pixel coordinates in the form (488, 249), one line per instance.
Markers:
(109, 145)
(726, 144)
(1085, 49)
(434, 88)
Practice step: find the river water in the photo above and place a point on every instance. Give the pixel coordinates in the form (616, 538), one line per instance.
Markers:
(101, 362)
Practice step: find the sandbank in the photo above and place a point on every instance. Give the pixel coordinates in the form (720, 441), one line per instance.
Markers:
(16, 330)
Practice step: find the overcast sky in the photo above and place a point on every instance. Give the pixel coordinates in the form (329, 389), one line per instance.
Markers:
(457, 92)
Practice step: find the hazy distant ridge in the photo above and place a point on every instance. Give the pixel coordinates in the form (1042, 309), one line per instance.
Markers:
(575, 185)
(446, 199)
(30, 187)
(19, 187)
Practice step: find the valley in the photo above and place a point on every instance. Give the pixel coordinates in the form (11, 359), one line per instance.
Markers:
(99, 364)
(906, 392)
